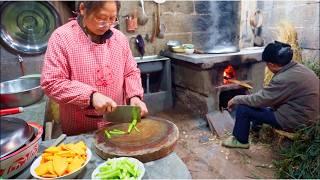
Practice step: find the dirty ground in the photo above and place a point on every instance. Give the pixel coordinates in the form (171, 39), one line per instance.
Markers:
(206, 158)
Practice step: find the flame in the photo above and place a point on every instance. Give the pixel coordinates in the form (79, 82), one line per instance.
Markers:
(228, 73)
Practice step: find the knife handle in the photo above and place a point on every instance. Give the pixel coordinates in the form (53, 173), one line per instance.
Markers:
(8, 111)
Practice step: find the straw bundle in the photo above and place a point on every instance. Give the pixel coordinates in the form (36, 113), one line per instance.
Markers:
(286, 33)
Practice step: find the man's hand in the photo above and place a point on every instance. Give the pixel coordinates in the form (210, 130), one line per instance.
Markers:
(230, 104)
(103, 103)
(135, 101)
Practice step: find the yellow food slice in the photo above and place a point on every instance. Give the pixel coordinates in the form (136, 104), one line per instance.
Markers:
(57, 161)
(63, 147)
(41, 169)
(60, 165)
(52, 149)
(48, 158)
(69, 160)
(49, 165)
(76, 149)
(81, 144)
(66, 153)
(76, 163)
(49, 175)
(47, 154)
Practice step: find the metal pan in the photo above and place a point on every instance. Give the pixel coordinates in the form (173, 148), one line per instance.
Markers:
(15, 133)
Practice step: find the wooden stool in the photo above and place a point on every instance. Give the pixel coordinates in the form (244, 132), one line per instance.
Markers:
(283, 134)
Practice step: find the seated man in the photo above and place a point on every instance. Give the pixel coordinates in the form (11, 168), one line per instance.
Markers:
(290, 101)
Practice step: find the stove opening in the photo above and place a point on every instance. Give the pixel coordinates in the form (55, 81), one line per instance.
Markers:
(225, 96)
(228, 73)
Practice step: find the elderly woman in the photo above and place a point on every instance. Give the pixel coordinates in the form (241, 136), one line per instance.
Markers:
(89, 68)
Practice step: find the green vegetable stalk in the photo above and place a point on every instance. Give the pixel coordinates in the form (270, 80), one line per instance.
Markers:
(117, 132)
(107, 134)
(121, 169)
(130, 127)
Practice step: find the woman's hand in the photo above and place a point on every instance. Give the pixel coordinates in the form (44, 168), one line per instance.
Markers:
(103, 103)
(135, 101)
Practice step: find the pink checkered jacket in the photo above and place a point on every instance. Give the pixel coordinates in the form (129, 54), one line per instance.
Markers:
(75, 67)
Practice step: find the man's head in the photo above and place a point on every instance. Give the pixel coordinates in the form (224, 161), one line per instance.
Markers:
(276, 55)
(99, 16)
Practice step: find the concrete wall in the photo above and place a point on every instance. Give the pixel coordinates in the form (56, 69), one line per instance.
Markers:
(303, 15)
(175, 15)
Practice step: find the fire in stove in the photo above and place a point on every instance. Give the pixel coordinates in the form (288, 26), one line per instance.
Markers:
(228, 73)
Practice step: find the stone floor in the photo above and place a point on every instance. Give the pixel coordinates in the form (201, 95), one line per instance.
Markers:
(205, 158)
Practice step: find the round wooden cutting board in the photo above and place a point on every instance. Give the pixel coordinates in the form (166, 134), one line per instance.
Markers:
(156, 139)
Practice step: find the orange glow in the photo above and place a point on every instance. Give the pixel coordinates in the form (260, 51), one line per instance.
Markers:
(228, 73)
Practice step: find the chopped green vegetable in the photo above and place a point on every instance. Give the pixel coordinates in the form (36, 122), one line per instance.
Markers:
(130, 127)
(134, 113)
(119, 169)
(117, 132)
(134, 122)
(135, 127)
(107, 134)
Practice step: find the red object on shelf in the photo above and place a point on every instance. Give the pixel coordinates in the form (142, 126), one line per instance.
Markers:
(8, 111)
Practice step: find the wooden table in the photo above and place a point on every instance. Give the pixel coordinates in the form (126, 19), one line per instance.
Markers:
(169, 167)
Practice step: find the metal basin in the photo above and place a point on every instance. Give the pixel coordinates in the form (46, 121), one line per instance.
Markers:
(20, 92)
(150, 58)
(149, 64)
(149, 67)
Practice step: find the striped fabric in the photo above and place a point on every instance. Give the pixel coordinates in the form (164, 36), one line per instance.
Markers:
(74, 67)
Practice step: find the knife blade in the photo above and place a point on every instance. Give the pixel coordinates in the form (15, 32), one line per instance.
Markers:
(123, 114)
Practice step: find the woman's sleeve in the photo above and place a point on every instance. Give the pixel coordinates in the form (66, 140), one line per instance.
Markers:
(55, 77)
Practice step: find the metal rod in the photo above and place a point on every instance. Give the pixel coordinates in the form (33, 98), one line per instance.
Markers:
(148, 83)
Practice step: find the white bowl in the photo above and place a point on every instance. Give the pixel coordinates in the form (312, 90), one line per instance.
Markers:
(135, 161)
(188, 46)
(188, 51)
(36, 163)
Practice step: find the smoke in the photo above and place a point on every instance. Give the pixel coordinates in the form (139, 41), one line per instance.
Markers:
(219, 26)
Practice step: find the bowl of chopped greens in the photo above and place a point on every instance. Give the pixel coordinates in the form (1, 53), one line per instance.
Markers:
(119, 168)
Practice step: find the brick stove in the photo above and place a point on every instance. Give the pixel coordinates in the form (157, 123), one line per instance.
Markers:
(199, 79)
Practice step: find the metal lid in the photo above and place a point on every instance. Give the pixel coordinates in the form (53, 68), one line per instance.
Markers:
(14, 134)
(27, 25)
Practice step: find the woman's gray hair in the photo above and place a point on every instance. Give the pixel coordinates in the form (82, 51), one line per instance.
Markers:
(92, 5)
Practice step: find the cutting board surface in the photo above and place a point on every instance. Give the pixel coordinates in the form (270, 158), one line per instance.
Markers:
(156, 139)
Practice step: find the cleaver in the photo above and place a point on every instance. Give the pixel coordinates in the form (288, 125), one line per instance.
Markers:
(123, 114)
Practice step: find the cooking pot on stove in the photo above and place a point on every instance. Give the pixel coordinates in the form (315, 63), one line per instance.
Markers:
(20, 158)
